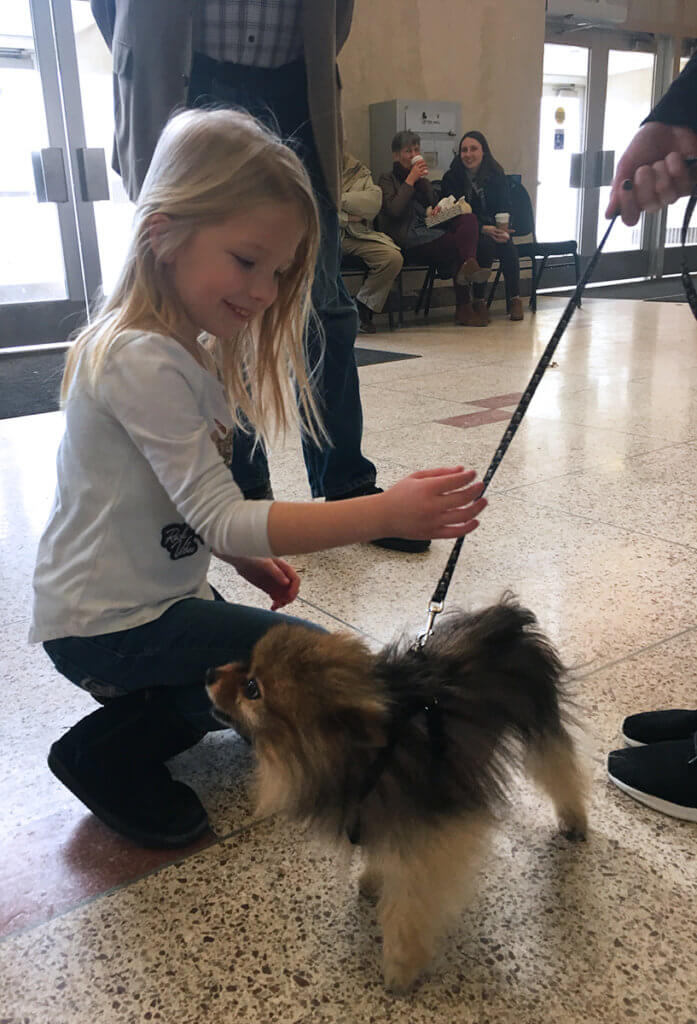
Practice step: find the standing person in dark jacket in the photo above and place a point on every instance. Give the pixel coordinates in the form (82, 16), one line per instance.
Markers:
(406, 194)
(659, 767)
(475, 175)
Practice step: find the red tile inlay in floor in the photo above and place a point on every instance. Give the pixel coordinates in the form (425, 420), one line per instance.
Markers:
(476, 419)
(53, 863)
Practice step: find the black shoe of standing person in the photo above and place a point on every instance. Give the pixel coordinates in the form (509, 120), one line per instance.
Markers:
(658, 726)
(113, 761)
(365, 318)
(663, 776)
(391, 543)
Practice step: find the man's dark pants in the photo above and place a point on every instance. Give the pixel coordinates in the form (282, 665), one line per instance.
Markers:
(278, 97)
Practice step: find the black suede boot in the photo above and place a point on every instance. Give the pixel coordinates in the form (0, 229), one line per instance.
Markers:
(113, 761)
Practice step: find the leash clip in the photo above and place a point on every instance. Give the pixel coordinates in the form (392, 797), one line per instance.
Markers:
(434, 608)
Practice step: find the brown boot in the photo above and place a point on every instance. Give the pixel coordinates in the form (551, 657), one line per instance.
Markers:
(463, 305)
(481, 313)
(516, 309)
(471, 271)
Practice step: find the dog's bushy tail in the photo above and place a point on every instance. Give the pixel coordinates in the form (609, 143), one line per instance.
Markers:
(502, 663)
(499, 686)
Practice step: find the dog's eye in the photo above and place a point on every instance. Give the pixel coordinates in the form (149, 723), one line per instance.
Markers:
(251, 690)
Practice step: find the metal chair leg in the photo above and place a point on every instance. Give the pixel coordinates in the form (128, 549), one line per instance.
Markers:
(577, 264)
(494, 287)
(429, 293)
(400, 292)
(422, 293)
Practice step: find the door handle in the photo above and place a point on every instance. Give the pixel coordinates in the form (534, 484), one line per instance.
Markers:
(603, 168)
(94, 184)
(592, 170)
(576, 171)
(49, 175)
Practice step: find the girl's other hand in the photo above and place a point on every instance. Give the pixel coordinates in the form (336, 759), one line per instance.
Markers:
(275, 577)
(434, 503)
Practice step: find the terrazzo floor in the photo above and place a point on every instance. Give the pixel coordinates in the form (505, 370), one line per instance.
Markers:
(591, 522)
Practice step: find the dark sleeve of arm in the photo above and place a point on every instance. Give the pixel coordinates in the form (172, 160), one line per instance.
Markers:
(428, 195)
(679, 105)
(448, 186)
(395, 200)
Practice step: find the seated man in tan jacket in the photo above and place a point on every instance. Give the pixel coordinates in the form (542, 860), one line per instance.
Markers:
(361, 200)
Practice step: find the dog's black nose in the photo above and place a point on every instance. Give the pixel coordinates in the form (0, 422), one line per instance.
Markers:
(211, 674)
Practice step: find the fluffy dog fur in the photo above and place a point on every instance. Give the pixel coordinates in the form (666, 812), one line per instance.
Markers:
(414, 749)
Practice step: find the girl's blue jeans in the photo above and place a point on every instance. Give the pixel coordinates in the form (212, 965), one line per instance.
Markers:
(173, 651)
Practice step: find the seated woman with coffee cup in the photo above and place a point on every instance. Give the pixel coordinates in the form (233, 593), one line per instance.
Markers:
(406, 195)
(476, 176)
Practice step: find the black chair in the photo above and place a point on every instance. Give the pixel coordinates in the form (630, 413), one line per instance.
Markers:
(523, 220)
(351, 266)
(432, 273)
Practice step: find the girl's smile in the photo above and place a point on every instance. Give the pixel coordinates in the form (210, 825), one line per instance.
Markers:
(227, 274)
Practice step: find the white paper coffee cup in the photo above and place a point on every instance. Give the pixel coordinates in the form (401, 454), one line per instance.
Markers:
(503, 221)
(416, 159)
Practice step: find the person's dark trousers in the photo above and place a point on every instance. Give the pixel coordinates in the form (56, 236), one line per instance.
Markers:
(278, 97)
(173, 652)
(487, 251)
(458, 244)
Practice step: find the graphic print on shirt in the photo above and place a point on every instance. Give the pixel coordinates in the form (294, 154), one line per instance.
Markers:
(222, 439)
(180, 540)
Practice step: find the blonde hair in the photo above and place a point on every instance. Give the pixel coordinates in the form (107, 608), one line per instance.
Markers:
(210, 165)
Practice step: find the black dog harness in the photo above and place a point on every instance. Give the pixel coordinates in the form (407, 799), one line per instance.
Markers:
(436, 736)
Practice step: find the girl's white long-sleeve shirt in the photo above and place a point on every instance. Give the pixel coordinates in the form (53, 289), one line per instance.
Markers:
(144, 494)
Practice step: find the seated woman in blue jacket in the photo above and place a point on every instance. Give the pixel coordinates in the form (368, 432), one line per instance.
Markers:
(476, 175)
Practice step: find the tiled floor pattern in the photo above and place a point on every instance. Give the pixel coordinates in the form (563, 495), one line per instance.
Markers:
(591, 523)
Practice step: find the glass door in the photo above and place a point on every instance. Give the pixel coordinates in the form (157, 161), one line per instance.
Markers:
(598, 86)
(49, 268)
(628, 100)
(562, 134)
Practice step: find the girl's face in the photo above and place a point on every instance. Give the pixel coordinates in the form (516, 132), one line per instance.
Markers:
(226, 274)
(471, 153)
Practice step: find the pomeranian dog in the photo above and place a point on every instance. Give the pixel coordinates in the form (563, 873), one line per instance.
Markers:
(408, 752)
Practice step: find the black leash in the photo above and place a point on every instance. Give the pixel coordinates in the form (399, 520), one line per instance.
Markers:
(437, 602)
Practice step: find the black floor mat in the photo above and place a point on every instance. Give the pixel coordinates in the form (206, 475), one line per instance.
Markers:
(30, 382)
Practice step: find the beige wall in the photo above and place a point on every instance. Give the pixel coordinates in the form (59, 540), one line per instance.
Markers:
(485, 54)
(673, 17)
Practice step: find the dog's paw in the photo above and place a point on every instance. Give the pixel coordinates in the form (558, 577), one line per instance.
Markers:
(574, 827)
(574, 835)
(399, 977)
(370, 886)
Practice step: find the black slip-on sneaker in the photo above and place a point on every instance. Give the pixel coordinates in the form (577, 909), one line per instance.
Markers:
(663, 776)
(659, 726)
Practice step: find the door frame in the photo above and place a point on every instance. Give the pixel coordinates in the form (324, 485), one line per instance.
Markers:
(652, 259)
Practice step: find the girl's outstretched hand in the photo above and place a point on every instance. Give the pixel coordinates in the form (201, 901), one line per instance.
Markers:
(434, 503)
(275, 577)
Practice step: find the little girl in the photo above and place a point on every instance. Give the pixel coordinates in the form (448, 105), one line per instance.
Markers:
(204, 330)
